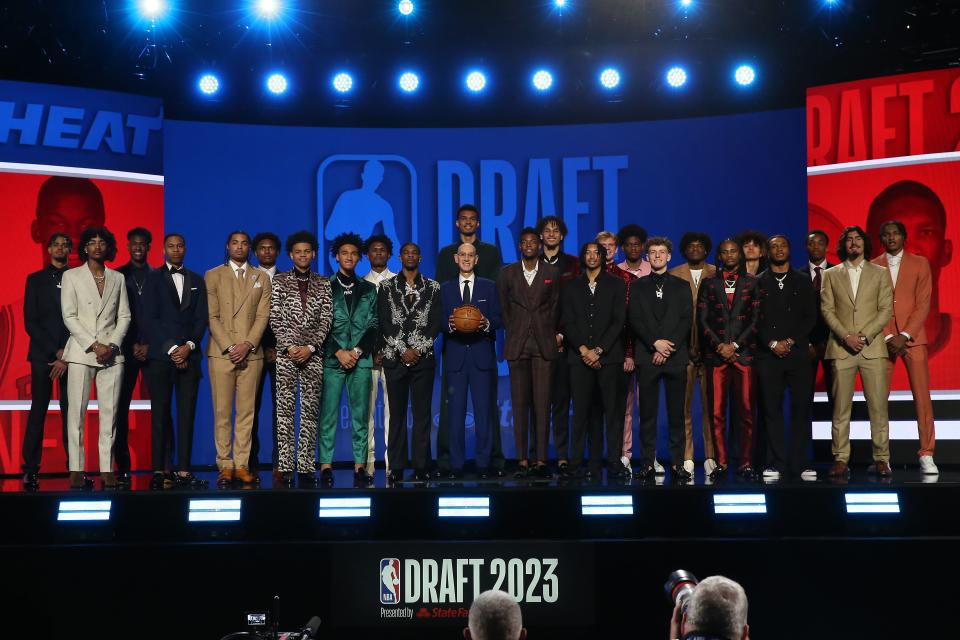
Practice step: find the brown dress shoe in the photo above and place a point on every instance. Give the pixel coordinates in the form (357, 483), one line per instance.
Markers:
(109, 480)
(839, 469)
(882, 469)
(243, 475)
(79, 480)
(225, 478)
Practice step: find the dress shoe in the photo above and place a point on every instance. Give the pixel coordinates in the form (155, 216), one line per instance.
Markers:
(79, 480)
(283, 479)
(31, 481)
(617, 472)
(277, 476)
(225, 479)
(308, 480)
(243, 475)
(108, 479)
(496, 472)
(928, 467)
(453, 474)
(361, 478)
(420, 475)
(124, 479)
(881, 469)
(719, 472)
(523, 470)
(645, 472)
(188, 481)
(394, 477)
(839, 470)
(157, 481)
(541, 470)
(680, 473)
(326, 477)
(563, 470)
(746, 471)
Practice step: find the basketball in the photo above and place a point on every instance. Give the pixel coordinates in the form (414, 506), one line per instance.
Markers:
(467, 318)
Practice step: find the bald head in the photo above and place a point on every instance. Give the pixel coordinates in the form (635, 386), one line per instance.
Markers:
(466, 258)
(495, 615)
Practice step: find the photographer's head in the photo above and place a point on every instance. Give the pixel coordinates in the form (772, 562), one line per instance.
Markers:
(716, 610)
(495, 615)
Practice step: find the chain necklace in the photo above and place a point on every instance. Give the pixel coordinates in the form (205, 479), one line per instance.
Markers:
(780, 280)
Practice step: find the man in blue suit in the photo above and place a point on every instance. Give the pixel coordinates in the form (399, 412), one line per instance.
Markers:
(468, 359)
(174, 320)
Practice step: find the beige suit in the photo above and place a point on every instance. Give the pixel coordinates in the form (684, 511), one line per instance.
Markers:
(696, 370)
(239, 312)
(90, 318)
(867, 312)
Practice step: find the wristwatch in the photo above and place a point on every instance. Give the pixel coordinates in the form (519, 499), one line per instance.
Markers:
(358, 351)
(598, 351)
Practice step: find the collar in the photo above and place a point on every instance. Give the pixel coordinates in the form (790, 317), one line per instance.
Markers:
(894, 258)
(418, 281)
(296, 274)
(56, 269)
(813, 266)
(169, 267)
(658, 276)
(554, 260)
(270, 270)
(859, 267)
(373, 276)
(339, 275)
(471, 278)
(236, 267)
(536, 267)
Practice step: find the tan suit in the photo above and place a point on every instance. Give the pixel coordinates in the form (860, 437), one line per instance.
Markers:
(696, 370)
(911, 305)
(868, 313)
(239, 312)
(90, 317)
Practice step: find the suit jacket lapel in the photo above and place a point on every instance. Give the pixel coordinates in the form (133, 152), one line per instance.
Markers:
(108, 284)
(845, 278)
(250, 278)
(187, 282)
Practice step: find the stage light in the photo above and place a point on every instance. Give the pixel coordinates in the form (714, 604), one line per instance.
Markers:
(755, 503)
(610, 78)
(744, 75)
(476, 81)
(888, 502)
(152, 9)
(560, 4)
(542, 80)
(676, 77)
(277, 83)
(208, 84)
(343, 82)
(607, 505)
(268, 9)
(463, 507)
(344, 508)
(686, 4)
(83, 510)
(409, 82)
(220, 510)
(405, 7)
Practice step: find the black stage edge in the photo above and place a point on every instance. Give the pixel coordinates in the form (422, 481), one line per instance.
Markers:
(810, 568)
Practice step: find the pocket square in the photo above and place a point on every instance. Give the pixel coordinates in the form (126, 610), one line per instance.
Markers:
(257, 285)
(193, 288)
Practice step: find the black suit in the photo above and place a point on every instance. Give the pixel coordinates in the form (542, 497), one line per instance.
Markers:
(790, 312)
(595, 320)
(44, 323)
(170, 321)
(268, 341)
(135, 280)
(661, 308)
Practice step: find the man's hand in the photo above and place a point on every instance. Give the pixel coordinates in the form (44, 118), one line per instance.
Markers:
(658, 359)
(59, 355)
(589, 356)
(897, 345)
(180, 354)
(560, 342)
(782, 350)
(104, 353)
(140, 351)
(853, 342)
(57, 368)
(664, 347)
(410, 357)
(300, 354)
(629, 365)
(348, 359)
(183, 365)
(675, 619)
(239, 352)
(727, 351)
(450, 323)
(270, 354)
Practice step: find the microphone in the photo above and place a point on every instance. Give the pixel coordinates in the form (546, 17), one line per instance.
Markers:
(310, 631)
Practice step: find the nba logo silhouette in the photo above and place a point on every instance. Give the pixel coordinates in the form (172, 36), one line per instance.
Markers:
(389, 581)
(367, 194)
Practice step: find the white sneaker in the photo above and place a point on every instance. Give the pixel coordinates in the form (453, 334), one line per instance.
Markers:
(658, 468)
(771, 473)
(625, 461)
(688, 466)
(808, 475)
(709, 465)
(927, 466)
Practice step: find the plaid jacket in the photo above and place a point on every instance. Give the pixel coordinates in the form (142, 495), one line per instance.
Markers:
(722, 322)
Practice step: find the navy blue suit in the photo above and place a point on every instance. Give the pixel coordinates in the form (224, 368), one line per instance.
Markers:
(467, 361)
(169, 321)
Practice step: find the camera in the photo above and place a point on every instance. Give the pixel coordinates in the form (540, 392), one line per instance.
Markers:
(679, 587)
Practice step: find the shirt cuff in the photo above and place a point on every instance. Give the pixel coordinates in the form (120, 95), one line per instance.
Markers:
(773, 344)
(172, 349)
(888, 337)
(192, 345)
(906, 335)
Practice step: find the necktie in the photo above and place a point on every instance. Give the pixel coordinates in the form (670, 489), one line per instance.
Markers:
(466, 292)
(817, 279)
(240, 274)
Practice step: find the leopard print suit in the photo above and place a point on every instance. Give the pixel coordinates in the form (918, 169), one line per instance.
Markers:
(296, 324)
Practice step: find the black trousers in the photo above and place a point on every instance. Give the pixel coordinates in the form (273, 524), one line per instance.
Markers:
(560, 406)
(165, 379)
(269, 368)
(121, 441)
(674, 379)
(413, 385)
(41, 390)
(775, 375)
(587, 385)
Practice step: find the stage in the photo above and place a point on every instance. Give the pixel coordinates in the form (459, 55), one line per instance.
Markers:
(808, 542)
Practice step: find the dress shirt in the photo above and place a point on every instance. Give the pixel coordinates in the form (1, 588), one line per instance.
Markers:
(178, 284)
(270, 271)
(236, 267)
(530, 276)
(378, 278)
(893, 263)
(853, 272)
(695, 275)
(639, 272)
(473, 288)
(813, 269)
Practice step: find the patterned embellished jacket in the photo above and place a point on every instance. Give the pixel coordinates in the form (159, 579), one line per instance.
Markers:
(409, 319)
(293, 324)
(721, 321)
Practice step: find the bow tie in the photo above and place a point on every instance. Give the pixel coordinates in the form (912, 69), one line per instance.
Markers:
(174, 270)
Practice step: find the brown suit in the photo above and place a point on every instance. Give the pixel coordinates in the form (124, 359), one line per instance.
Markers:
(867, 312)
(239, 312)
(696, 370)
(911, 304)
(530, 318)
